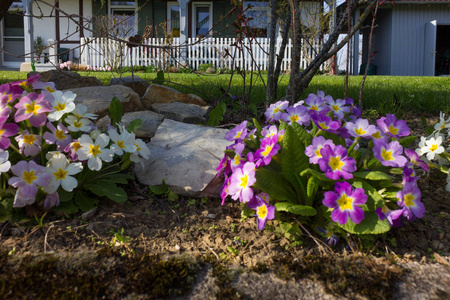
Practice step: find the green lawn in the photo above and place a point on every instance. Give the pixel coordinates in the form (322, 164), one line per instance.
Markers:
(417, 94)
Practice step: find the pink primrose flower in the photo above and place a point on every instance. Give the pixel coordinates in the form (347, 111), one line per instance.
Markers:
(335, 163)
(269, 147)
(238, 133)
(7, 130)
(241, 182)
(264, 211)
(390, 155)
(390, 126)
(275, 110)
(29, 144)
(345, 202)
(59, 135)
(296, 114)
(313, 150)
(32, 107)
(324, 122)
(360, 128)
(409, 200)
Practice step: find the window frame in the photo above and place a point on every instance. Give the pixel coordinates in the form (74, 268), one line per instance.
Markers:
(194, 15)
(112, 8)
(169, 20)
(265, 8)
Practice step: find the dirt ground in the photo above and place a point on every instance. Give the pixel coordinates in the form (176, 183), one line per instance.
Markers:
(203, 241)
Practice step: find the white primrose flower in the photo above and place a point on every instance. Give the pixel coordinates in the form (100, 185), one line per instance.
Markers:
(94, 152)
(75, 124)
(431, 147)
(80, 112)
(5, 164)
(123, 142)
(442, 124)
(142, 151)
(61, 170)
(62, 104)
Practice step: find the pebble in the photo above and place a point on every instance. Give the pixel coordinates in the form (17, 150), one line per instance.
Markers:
(89, 215)
(211, 216)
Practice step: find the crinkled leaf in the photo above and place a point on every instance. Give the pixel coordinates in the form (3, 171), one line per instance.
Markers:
(374, 175)
(84, 202)
(134, 125)
(303, 135)
(257, 125)
(105, 188)
(115, 111)
(65, 196)
(160, 190)
(303, 210)
(370, 225)
(274, 184)
(293, 158)
(216, 115)
(312, 188)
(374, 200)
(68, 207)
(337, 140)
(406, 141)
(6, 209)
(318, 175)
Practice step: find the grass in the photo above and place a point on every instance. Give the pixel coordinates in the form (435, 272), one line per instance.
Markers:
(415, 94)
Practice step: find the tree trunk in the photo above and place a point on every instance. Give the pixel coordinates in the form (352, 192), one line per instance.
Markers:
(4, 6)
(270, 94)
(281, 51)
(291, 91)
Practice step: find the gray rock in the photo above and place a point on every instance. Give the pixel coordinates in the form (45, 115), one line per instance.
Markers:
(97, 99)
(162, 94)
(69, 80)
(185, 156)
(182, 112)
(138, 84)
(150, 122)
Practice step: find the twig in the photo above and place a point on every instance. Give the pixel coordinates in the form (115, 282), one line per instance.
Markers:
(212, 251)
(316, 240)
(45, 240)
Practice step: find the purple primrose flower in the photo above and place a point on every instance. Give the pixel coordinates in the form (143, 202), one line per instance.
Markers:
(313, 151)
(264, 211)
(335, 163)
(390, 155)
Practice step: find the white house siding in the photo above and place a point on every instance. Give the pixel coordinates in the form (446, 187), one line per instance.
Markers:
(408, 35)
(46, 27)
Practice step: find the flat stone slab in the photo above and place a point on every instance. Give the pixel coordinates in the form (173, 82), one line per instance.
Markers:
(97, 99)
(138, 84)
(182, 112)
(150, 122)
(184, 155)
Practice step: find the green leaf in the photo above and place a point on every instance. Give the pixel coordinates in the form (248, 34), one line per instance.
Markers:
(105, 188)
(292, 159)
(302, 210)
(159, 189)
(305, 137)
(134, 125)
(115, 111)
(84, 202)
(374, 200)
(316, 174)
(159, 77)
(257, 125)
(216, 115)
(6, 209)
(274, 184)
(311, 188)
(337, 140)
(374, 175)
(370, 225)
(406, 141)
(65, 196)
(68, 207)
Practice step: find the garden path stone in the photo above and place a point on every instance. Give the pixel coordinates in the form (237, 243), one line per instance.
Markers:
(182, 112)
(162, 94)
(138, 84)
(97, 99)
(150, 122)
(185, 156)
(68, 80)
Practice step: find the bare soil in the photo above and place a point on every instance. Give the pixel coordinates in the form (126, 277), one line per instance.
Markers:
(198, 249)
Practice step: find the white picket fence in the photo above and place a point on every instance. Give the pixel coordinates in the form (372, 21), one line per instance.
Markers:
(250, 54)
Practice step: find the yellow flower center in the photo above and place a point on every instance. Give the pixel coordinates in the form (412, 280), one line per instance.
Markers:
(49, 89)
(120, 144)
(2, 131)
(77, 124)
(434, 147)
(238, 135)
(376, 135)
(23, 84)
(409, 200)
(60, 174)
(60, 106)
(95, 150)
(29, 177)
(244, 181)
(318, 152)
(360, 131)
(323, 125)
(314, 107)
(261, 211)
(32, 108)
(345, 202)
(386, 155)
(335, 107)
(393, 130)
(76, 146)
(59, 134)
(29, 139)
(10, 98)
(294, 118)
(335, 163)
(276, 110)
(266, 152)
(137, 147)
(237, 159)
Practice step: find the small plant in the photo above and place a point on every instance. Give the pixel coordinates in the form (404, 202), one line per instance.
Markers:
(204, 67)
(38, 46)
(319, 163)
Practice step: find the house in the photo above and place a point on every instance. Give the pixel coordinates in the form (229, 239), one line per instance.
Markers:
(411, 38)
(64, 22)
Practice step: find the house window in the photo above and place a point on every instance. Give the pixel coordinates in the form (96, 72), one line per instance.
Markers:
(173, 18)
(202, 21)
(260, 14)
(123, 13)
